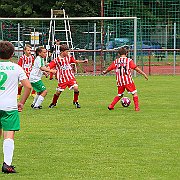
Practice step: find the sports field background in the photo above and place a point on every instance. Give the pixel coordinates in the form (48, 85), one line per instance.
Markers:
(95, 143)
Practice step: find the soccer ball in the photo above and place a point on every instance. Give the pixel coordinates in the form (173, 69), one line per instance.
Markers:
(125, 101)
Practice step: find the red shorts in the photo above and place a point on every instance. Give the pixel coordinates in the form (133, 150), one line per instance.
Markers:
(70, 84)
(131, 88)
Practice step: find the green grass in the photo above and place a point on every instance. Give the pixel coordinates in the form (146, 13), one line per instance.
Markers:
(95, 143)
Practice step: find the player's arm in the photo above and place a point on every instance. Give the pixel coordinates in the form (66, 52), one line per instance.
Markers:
(72, 60)
(20, 61)
(141, 72)
(27, 90)
(82, 61)
(132, 65)
(110, 68)
(47, 69)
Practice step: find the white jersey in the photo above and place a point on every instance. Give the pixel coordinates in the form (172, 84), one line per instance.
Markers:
(36, 73)
(10, 75)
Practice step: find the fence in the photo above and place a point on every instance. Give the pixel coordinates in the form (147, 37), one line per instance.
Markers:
(93, 42)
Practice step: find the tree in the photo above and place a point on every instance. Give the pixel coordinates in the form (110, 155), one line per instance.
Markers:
(34, 8)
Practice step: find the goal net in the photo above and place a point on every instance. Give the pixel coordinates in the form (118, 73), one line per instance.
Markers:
(94, 38)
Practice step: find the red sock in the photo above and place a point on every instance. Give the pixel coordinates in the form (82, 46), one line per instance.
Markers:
(19, 90)
(33, 92)
(116, 99)
(51, 75)
(136, 102)
(76, 94)
(55, 98)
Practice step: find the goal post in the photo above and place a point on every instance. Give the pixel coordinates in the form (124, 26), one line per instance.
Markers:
(88, 41)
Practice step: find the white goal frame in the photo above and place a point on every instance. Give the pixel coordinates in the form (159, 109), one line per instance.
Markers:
(87, 18)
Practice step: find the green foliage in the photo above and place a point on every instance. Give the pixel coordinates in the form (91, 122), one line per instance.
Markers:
(95, 143)
(34, 8)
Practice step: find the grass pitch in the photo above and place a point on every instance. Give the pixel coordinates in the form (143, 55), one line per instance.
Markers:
(95, 143)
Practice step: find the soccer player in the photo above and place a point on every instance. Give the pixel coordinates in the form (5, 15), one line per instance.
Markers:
(123, 66)
(10, 75)
(35, 77)
(26, 61)
(65, 75)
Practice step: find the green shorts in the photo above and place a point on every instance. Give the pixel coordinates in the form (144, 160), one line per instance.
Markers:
(38, 86)
(9, 120)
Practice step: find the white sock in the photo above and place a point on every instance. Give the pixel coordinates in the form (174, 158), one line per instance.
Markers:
(39, 101)
(35, 98)
(8, 150)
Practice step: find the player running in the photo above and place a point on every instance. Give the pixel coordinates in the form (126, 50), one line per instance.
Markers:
(65, 75)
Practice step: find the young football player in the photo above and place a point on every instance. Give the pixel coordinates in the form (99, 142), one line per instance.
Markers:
(35, 77)
(65, 75)
(26, 61)
(10, 75)
(123, 66)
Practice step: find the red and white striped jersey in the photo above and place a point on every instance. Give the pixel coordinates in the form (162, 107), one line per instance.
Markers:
(63, 67)
(123, 66)
(26, 62)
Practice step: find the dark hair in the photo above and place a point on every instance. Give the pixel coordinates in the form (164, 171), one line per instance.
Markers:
(6, 49)
(123, 51)
(39, 50)
(64, 47)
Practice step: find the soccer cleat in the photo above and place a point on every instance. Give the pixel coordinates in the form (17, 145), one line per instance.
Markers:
(77, 105)
(33, 95)
(8, 169)
(18, 96)
(38, 107)
(110, 107)
(137, 109)
(52, 105)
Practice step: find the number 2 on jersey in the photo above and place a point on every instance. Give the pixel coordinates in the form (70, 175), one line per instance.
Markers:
(3, 78)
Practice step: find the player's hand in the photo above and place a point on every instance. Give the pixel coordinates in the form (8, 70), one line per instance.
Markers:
(104, 72)
(53, 71)
(146, 77)
(46, 74)
(86, 61)
(20, 107)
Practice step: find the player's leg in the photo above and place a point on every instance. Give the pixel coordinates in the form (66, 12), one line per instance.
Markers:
(40, 88)
(40, 99)
(33, 93)
(50, 76)
(117, 98)
(131, 88)
(55, 98)
(59, 90)
(74, 86)
(10, 124)
(8, 146)
(136, 101)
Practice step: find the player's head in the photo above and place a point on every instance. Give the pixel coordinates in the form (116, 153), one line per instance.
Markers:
(27, 50)
(41, 51)
(6, 50)
(64, 49)
(58, 42)
(123, 51)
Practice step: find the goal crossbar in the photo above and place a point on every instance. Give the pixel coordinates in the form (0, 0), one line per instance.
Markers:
(71, 18)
